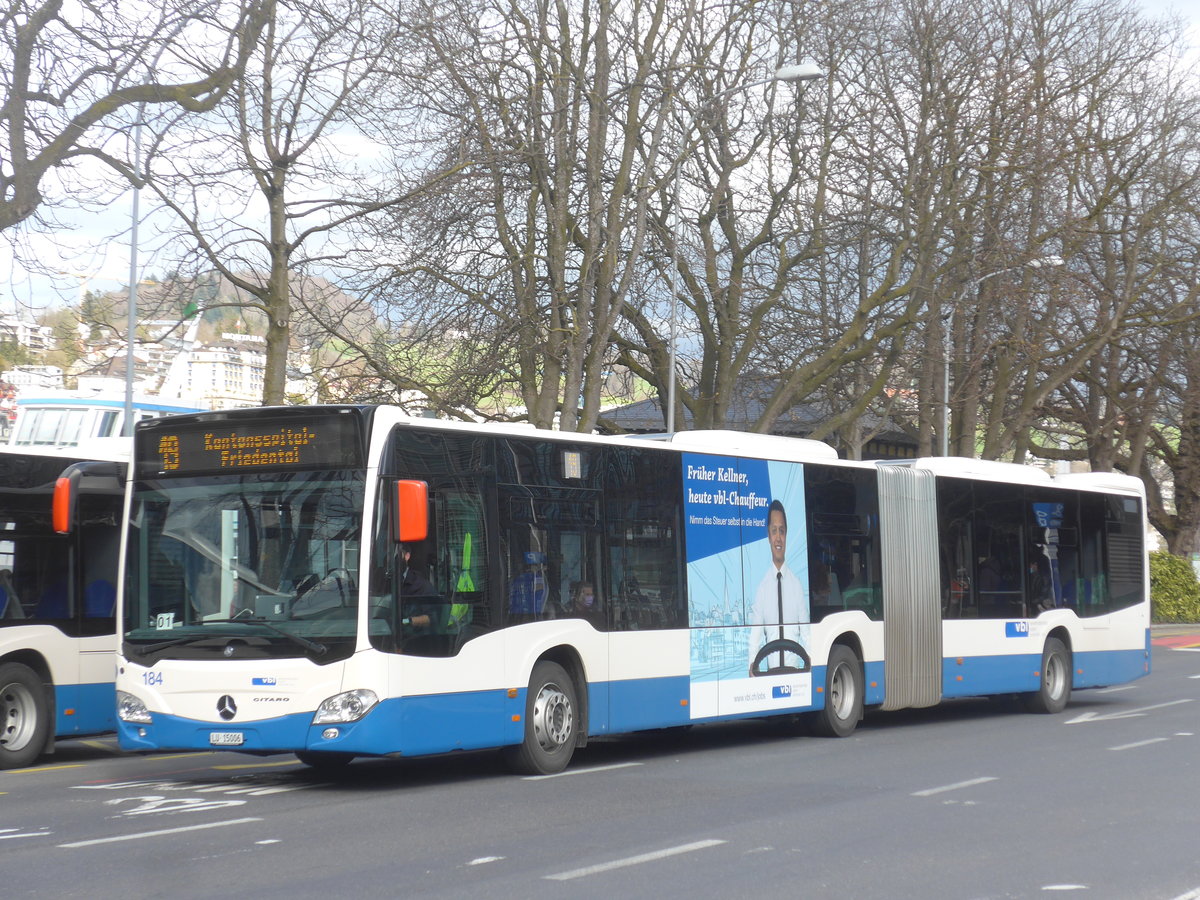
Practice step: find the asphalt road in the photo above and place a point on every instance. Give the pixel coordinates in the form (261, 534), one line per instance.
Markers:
(973, 799)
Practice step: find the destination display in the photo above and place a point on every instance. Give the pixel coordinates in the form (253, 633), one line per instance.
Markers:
(232, 446)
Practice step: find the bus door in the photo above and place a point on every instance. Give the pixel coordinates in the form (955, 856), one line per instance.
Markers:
(96, 587)
(78, 590)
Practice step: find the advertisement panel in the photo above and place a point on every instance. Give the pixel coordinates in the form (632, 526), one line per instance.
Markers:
(748, 599)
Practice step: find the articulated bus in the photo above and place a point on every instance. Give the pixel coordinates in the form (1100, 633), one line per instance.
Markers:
(347, 581)
(60, 534)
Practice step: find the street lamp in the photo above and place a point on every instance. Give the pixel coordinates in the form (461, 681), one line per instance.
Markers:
(1035, 263)
(805, 71)
(165, 43)
(131, 312)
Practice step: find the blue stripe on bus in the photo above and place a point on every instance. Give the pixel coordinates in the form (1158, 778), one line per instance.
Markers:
(409, 726)
(93, 708)
(641, 704)
(874, 679)
(973, 676)
(437, 723)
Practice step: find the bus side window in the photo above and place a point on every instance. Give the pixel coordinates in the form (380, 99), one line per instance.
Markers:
(842, 507)
(998, 532)
(643, 540)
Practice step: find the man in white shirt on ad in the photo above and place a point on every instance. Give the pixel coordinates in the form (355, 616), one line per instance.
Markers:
(780, 605)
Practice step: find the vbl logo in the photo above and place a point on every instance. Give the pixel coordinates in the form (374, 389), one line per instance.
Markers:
(1016, 629)
(780, 691)
(263, 682)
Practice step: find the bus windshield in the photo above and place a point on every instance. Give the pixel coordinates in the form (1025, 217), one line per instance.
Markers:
(269, 558)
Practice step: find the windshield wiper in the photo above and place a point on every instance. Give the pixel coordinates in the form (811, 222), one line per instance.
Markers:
(312, 646)
(173, 642)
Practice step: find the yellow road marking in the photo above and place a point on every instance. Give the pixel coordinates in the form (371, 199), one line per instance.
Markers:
(183, 755)
(289, 762)
(49, 768)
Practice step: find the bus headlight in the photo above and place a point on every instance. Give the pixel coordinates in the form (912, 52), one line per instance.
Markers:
(348, 707)
(131, 709)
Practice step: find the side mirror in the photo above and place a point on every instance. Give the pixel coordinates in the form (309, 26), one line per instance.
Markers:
(66, 492)
(412, 511)
(93, 477)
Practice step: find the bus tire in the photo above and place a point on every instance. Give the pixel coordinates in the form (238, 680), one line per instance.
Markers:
(843, 694)
(551, 722)
(324, 760)
(24, 716)
(1055, 689)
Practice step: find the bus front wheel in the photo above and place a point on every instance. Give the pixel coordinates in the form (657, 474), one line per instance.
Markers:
(843, 694)
(24, 716)
(551, 722)
(1055, 688)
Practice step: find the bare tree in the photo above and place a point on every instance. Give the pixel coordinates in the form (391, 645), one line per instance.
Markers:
(266, 186)
(69, 71)
(548, 112)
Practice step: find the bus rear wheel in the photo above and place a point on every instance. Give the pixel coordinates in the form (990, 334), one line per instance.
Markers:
(24, 716)
(551, 722)
(1055, 688)
(843, 694)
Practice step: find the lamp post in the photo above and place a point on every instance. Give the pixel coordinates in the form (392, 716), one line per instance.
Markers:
(131, 313)
(805, 71)
(164, 44)
(1036, 263)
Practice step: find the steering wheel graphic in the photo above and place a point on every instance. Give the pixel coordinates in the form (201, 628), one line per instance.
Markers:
(781, 646)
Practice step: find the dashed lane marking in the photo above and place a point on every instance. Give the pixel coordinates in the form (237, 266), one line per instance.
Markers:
(958, 785)
(587, 771)
(164, 831)
(633, 860)
(1144, 743)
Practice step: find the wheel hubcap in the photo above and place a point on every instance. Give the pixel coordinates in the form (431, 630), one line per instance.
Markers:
(552, 717)
(841, 691)
(19, 720)
(1056, 678)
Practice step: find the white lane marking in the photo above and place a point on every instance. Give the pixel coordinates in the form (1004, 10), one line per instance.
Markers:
(1064, 887)
(633, 860)
(588, 771)
(1137, 744)
(1123, 714)
(929, 792)
(483, 860)
(1193, 676)
(146, 834)
(1193, 894)
(7, 834)
(1116, 690)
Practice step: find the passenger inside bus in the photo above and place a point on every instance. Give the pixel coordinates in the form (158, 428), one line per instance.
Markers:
(823, 586)
(584, 602)
(415, 587)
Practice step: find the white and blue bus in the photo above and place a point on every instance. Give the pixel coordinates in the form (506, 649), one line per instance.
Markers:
(348, 581)
(62, 418)
(60, 534)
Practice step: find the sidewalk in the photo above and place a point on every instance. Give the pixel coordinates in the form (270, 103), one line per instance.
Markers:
(1175, 635)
